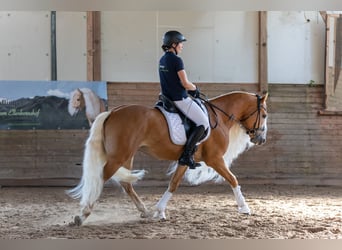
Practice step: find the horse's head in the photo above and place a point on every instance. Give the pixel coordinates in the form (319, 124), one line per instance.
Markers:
(76, 102)
(255, 121)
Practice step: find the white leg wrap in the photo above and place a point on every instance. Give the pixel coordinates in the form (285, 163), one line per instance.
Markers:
(161, 205)
(240, 200)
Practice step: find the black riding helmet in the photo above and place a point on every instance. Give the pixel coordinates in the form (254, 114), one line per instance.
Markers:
(172, 37)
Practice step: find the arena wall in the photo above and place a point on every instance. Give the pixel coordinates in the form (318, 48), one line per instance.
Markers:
(303, 147)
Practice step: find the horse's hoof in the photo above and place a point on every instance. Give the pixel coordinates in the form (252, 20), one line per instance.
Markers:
(145, 215)
(159, 215)
(78, 221)
(245, 210)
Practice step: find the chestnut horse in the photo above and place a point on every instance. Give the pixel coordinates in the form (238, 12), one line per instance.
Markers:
(116, 135)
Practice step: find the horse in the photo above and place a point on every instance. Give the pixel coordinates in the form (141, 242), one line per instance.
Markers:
(84, 98)
(238, 120)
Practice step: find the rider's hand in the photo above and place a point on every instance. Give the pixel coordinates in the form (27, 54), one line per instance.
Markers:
(195, 93)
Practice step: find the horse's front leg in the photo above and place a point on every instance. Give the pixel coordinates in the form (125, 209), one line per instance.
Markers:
(173, 185)
(221, 168)
(243, 207)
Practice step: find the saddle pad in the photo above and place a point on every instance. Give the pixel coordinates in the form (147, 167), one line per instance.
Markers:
(176, 127)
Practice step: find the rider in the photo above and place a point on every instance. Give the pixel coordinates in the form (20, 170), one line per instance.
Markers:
(176, 86)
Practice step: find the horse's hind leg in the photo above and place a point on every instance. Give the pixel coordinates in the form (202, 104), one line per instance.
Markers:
(85, 211)
(128, 187)
(135, 198)
(91, 192)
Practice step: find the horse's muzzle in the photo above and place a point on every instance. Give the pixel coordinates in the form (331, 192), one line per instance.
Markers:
(258, 140)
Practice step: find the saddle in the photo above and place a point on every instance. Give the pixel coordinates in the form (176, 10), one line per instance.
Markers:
(180, 126)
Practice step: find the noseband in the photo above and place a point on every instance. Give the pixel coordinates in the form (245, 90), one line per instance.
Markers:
(255, 129)
(251, 131)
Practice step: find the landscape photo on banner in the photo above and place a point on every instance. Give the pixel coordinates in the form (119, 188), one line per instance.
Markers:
(51, 104)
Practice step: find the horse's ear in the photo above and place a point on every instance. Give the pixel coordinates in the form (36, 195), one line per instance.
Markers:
(264, 97)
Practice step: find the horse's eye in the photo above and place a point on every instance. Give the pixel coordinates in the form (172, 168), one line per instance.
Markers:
(264, 116)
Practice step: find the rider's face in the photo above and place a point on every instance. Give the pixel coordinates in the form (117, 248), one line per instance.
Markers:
(178, 48)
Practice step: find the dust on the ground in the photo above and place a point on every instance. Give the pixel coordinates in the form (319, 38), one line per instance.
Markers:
(199, 212)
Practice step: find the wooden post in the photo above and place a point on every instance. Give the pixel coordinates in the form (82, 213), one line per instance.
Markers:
(329, 61)
(324, 16)
(93, 45)
(333, 83)
(263, 71)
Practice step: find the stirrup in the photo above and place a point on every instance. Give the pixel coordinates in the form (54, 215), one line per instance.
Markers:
(194, 166)
(190, 163)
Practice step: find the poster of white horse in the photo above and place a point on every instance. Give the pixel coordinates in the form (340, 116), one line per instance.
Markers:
(85, 98)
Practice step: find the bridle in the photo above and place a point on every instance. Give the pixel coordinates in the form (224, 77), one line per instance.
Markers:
(249, 131)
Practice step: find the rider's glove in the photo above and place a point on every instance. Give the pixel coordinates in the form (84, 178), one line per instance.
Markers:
(194, 93)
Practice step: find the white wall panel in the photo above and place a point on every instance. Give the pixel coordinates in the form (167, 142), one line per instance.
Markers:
(25, 45)
(296, 47)
(222, 46)
(71, 36)
(129, 46)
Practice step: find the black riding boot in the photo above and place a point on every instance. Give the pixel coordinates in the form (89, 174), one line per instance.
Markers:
(187, 157)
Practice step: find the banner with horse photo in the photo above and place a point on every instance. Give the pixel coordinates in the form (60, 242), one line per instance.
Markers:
(51, 104)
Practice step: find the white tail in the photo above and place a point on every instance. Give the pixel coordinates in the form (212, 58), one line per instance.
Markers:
(91, 184)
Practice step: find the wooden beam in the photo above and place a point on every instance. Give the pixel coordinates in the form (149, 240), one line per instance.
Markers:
(93, 45)
(263, 64)
(338, 49)
(324, 16)
(328, 77)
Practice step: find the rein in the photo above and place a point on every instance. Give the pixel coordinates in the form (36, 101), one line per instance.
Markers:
(232, 117)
